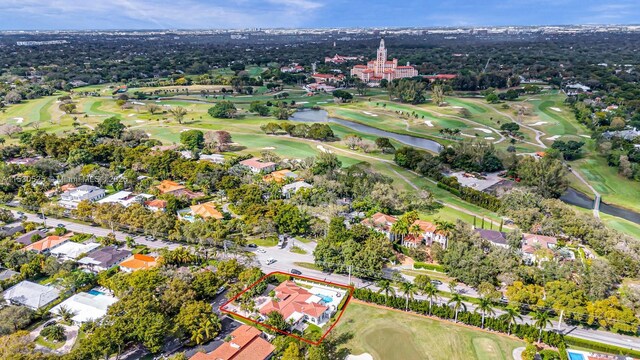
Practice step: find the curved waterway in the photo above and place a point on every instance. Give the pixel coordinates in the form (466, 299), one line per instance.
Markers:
(318, 116)
(580, 199)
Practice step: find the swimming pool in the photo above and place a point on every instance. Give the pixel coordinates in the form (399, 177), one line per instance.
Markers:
(95, 292)
(325, 299)
(575, 356)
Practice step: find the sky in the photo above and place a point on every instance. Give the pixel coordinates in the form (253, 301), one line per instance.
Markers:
(216, 14)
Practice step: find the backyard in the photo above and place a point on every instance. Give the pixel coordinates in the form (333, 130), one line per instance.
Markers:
(388, 334)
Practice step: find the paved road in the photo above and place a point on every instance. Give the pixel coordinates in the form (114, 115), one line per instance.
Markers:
(99, 231)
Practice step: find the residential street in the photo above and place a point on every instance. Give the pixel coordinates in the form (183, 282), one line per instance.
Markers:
(285, 261)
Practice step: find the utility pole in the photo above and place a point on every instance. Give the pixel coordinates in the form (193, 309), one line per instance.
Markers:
(349, 267)
(560, 320)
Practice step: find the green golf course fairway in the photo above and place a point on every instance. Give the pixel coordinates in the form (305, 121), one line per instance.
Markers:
(388, 334)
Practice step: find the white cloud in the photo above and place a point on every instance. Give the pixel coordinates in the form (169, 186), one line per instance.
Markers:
(165, 13)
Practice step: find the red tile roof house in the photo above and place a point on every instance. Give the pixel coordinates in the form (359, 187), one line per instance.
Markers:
(381, 223)
(297, 305)
(258, 167)
(245, 344)
(533, 245)
(428, 236)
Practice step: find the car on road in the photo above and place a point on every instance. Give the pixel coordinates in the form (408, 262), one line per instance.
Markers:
(261, 251)
(49, 323)
(271, 261)
(40, 216)
(296, 272)
(221, 290)
(60, 225)
(253, 246)
(20, 213)
(436, 282)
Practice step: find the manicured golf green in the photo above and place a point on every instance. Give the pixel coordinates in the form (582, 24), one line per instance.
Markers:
(387, 334)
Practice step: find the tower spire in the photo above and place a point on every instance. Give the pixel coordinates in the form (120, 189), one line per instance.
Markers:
(381, 43)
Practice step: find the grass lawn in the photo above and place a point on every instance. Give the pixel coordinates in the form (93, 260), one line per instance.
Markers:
(53, 345)
(267, 242)
(297, 250)
(387, 334)
(307, 265)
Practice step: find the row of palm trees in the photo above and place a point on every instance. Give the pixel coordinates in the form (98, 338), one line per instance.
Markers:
(484, 306)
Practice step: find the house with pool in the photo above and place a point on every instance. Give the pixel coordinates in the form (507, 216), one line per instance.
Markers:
(302, 303)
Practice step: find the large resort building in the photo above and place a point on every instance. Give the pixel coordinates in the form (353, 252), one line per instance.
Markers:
(381, 68)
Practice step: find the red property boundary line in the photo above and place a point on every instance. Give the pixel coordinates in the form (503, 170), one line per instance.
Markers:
(316, 343)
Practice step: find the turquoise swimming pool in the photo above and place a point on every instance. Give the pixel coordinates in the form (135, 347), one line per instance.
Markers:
(575, 356)
(325, 299)
(95, 292)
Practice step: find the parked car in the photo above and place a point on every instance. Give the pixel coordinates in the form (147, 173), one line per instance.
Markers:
(270, 261)
(253, 246)
(261, 251)
(296, 272)
(49, 323)
(221, 290)
(40, 216)
(60, 225)
(436, 282)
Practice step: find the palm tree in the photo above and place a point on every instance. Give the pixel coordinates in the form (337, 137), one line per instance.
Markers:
(511, 315)
(445, 228)
(208, 330)
(542, 319)
(386, 287)
(431, 292)
(400, 228)
(458, 302)
(485, 306)
(66, 314)
(409, 290)
(415, 231)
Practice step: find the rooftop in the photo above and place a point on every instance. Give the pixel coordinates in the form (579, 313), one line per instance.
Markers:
(167, 186)
(139, 261)
(48, 242)
(30, 294)
(86, 306)
(245, 344)
(256, 163)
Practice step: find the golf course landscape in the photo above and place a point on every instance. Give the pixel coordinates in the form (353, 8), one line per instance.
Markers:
(544, 118)
(389, 334)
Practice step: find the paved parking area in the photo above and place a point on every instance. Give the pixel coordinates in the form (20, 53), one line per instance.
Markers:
(475, 183)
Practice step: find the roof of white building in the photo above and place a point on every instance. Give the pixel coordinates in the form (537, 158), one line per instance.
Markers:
(296, 186)
(125, 198)
(86, 306)
(31, 294)
(73, 250)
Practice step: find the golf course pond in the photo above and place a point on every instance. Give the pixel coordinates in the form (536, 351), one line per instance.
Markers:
(319, 116)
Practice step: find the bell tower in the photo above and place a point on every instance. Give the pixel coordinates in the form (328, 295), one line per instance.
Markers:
(381, 59)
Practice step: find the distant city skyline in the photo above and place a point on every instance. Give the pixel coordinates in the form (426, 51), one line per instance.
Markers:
(216, 14)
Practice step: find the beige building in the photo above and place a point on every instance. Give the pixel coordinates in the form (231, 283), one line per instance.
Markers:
(381, 68)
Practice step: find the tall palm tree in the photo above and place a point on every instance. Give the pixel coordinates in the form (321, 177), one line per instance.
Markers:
(511, 315)
(409, 290)
(458, 303)
(65, 313)
(431, 292)
(485, 306)
(386, 287)
(415, 231)
(542, 319)
(400, 229)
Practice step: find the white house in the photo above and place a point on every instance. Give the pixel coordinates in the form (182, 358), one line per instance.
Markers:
(126, 198)
(72, 250)
(86, 306)
(71, 198)
(214, 158)
(293, 188)
(428, 235)
(30, 294)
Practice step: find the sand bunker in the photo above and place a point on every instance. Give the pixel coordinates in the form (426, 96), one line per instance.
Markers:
(553, 138)
(539, 123)
(486, 131)
(490, 138)
(323, 149)
(363, 356)
(429, 123)
(268, 148)
(18, 120)
(139, 121)
(368, 113)
(555, 109)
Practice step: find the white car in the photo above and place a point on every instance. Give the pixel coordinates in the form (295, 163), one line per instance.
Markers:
(270, 261)
(262, 251)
